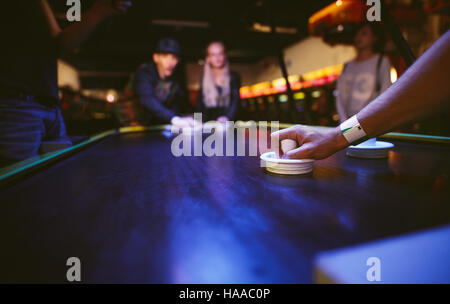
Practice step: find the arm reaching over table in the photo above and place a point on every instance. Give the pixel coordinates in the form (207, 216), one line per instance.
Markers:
(422, 91)
(71, 37)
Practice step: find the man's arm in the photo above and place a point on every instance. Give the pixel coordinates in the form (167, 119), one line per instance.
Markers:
(53, 25)
(72, 37)
(420, 92)
(146, 93)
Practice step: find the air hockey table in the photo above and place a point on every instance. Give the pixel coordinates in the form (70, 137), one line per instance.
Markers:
(131, 212)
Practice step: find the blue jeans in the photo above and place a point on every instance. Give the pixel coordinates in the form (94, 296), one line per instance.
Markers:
(24, 126)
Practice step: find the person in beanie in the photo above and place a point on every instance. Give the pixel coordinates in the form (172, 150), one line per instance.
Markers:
(161, 95)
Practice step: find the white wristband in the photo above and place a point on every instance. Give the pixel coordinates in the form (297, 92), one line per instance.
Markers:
(352, 130)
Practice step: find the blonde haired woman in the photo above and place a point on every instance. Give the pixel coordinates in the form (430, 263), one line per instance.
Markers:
(218, 98)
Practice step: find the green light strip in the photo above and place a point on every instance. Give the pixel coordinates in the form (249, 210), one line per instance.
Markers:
(31, 163)
(417, 138)
(23, 166)
(41, 159)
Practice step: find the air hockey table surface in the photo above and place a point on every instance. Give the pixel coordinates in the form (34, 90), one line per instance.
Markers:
(134, 213)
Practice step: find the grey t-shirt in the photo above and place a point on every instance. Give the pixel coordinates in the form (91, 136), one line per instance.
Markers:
(356, 85)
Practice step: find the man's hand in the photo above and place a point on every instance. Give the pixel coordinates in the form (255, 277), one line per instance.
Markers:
(107, 8)
(222, 119)
(182, 122)
(314, 143)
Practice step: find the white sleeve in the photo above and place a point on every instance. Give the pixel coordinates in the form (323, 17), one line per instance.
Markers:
(385, 74)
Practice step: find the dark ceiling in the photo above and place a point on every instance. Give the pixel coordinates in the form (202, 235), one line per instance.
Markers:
(123, 42)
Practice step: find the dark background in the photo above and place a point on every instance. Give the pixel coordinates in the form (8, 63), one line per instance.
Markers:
(124, 42)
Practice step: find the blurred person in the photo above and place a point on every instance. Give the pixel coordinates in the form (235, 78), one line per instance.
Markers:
(321, 110)
(32, 41)
(218, 97)
(400, 104)
(365, 77)
(159, 92)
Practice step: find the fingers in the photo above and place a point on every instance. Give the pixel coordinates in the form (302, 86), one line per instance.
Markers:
(190, 121)
(187, 122)
(303, 152)
(180, 122)
(289, 133)
(222, 119)
(279, 136)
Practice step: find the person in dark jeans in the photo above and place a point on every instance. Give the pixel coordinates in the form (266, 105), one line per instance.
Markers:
(218, 97)
(31, 42)
(160, 94)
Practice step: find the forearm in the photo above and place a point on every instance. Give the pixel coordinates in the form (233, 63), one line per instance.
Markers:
(420, 92)
(157, 109)
(53, 25)
(74, 35)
